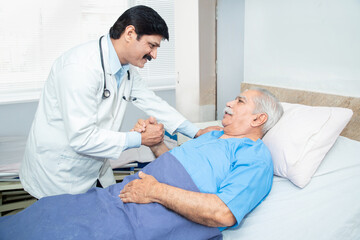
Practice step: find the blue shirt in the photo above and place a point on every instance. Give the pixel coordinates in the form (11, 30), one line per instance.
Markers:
(238, 170)
(115, 66)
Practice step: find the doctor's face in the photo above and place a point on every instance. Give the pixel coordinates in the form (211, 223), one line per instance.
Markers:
(143, 49)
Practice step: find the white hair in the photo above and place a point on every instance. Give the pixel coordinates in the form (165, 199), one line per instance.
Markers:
(267, 103)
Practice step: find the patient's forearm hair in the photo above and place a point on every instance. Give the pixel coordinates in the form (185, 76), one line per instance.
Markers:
(203, 208)
(159, 149)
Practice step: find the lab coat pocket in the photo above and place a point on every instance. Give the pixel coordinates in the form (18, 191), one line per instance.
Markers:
(78, 171)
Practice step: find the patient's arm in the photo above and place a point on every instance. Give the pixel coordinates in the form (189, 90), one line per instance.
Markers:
(203, 208)
(159, 149)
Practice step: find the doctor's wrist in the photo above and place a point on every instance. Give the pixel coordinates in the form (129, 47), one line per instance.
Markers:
(133, 140)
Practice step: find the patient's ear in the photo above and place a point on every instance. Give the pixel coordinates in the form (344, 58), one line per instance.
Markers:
(259, 119)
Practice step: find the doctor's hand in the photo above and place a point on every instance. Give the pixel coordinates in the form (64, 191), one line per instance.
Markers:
(141, 190)
(208, 129)
(153, 134)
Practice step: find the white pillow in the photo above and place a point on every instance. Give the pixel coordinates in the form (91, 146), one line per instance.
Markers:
(302, 137)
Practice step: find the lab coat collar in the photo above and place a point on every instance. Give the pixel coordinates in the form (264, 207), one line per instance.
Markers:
(114, 62)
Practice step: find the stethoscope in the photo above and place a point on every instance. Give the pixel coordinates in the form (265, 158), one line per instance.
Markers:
(106, 92)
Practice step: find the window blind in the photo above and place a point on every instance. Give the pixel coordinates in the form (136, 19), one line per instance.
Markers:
(34, 33)
(160, 73)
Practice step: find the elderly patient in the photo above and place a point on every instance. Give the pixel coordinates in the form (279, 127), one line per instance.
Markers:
(232, 168)
(213, 181)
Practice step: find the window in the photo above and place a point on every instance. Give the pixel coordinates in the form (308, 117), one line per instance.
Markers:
(34, 33)
(160, 73)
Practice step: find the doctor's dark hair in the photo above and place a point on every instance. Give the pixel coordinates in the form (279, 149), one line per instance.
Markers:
(145, 20)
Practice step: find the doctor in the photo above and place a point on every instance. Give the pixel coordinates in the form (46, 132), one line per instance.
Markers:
(75, 130)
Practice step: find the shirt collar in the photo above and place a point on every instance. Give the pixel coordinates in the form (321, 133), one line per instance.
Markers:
(247, 140)
(115, 65)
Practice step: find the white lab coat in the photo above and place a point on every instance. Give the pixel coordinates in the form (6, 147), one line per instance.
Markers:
(75, 131)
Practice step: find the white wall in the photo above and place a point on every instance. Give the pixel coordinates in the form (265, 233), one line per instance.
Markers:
(16, 119)
(195, 50)
(230, 51)
(309, 44)
(187, 58)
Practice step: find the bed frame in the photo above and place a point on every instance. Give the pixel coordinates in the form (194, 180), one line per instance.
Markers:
(352, 130)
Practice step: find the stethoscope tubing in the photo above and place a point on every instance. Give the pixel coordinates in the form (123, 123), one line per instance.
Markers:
(106, 93)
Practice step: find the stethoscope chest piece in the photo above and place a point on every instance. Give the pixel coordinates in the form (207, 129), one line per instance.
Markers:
(106, 93)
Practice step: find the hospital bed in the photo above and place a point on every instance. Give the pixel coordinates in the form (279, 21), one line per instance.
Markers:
(327, 208)
(327, 205)
(12, 196)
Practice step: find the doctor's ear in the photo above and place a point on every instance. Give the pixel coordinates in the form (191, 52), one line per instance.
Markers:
(130, 33)
(259, 119)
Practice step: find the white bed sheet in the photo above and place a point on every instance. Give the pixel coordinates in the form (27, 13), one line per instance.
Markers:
(328, 208)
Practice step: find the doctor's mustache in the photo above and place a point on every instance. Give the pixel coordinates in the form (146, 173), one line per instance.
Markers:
(148, 57)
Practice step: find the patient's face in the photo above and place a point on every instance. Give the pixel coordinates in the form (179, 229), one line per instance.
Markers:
(239, 113)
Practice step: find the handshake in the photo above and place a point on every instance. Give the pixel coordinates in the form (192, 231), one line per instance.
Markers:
(152, 133)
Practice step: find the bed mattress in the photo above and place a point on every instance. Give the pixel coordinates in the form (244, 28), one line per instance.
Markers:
(328, 208)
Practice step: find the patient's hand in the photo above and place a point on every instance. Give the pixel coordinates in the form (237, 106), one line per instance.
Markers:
(140, 190)
(140, 126)
(208, 129)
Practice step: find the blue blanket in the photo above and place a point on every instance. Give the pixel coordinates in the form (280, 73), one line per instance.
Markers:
(100, 214)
